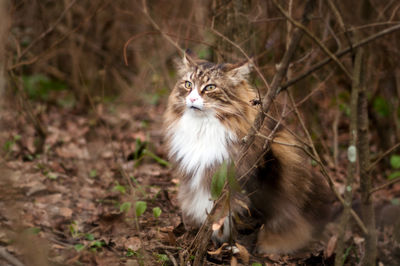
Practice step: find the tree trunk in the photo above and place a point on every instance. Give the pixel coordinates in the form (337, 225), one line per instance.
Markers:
(367, 208)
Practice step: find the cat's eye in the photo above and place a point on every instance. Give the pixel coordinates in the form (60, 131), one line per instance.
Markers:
(188, 85)
(210, 87)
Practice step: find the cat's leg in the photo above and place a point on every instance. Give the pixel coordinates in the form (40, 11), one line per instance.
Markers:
(287, 240)
(195, 204)
(223, 234)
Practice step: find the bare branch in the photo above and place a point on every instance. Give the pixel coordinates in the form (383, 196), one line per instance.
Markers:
(157, 27)
(391, 182)
(49, 30)
(282, 68)
(314, 38)
(372, 165)
(339, 54)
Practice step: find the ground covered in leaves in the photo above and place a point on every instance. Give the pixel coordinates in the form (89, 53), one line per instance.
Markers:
(101, 193)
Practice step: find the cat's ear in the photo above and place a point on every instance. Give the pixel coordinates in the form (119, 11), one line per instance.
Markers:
(189, 58)
(187, 63)
(239, 71)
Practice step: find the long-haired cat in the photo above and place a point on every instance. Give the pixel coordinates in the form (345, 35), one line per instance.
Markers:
(209, 112)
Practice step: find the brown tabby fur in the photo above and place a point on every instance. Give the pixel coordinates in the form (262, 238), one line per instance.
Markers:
(289, 202)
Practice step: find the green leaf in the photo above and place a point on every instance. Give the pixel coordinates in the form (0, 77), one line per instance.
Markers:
(119, 188)
(52, 175)
(8, 145)
(125, 207)
(33, 230)
(218, 181)
(395, 201)
(93, 173)
(156, 158)
(394, 175)
(97, 244)
(156, 212)
(381, 106)
(79, 247)
(130, 253)
(140, 208)
(395, 161)
(161, 257)
(256, 264)
(89, 237)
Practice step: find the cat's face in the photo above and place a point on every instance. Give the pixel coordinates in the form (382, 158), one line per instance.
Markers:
(205, 87)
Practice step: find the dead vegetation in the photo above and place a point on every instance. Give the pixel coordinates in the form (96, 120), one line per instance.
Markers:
(83, 173)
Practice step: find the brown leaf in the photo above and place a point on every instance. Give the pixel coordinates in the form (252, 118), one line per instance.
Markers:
(218, 251)
(132, 243)
(330, 247)
(234, 261)
(243, 253)
(66, 212)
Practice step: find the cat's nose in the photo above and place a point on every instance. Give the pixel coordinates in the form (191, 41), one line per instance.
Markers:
(193, 99)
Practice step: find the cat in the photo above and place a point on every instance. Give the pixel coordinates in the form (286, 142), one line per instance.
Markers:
(209, 112)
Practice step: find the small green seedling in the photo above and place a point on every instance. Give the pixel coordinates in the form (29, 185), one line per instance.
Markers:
(140, 208)
(156, 212)
(125, 207)
(395, 164)
(119, 188)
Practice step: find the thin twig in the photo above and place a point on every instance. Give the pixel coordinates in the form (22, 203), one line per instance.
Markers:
(323, 169)
(314, 38)
(339, 54)
(10, 258)
(52, 46)
(244, 53)
(157, 27)
(278, 78)
(372, 165)
(171, 257)
(49, 30)
(391, 182)
(339, 18)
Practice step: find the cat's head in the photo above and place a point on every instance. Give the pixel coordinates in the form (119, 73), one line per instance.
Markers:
(212, 88)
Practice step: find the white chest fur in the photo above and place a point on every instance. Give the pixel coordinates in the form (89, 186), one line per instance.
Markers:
(199, 141)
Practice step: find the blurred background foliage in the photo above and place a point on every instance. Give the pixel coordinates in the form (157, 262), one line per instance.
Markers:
(70, 54)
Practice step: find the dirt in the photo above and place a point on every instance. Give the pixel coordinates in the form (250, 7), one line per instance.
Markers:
(78, 202)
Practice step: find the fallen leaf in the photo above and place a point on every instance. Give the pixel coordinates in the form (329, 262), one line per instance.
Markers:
(234, 261)
(243, 253)
(132, 243)
(330, 247)
(218, 251)
(66, 212)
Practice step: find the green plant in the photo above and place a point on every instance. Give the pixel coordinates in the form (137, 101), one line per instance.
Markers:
(9, 144)
(140, 208)
(225, 172)
(119, 188)
(39, 86)
(161, 258)
(395, 164)
(125, 207)
(156, 212)
(141, 151)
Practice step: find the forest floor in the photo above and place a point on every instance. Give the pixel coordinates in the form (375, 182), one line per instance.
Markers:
(76, 203)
